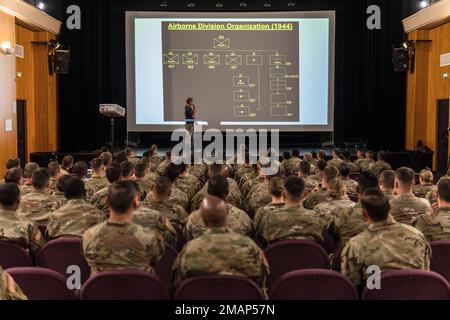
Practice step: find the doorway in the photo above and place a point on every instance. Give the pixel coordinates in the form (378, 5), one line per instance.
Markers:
(442, 135)
(22, 131)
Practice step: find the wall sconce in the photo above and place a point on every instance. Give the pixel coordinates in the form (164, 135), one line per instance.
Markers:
(6, 49)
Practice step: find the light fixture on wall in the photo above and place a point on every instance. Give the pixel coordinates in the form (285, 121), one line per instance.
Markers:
(424, 3)
(6, 48)
(40, 5)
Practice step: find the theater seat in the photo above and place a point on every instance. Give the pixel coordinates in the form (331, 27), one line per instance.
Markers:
(13, 255)
(440, 260)
(164, 267)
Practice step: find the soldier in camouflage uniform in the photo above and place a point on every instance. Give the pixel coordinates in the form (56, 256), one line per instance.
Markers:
(119, 243)
(291, 166)
(12, 227)
(362, 162)
(98, 179)
(321, 165)
(292, 221)
(220, 251)
(381, 164)
(66, 165)
(80, 170)
(320, 194)
(187, 183)
(436, 226)
(27, 186)
(387, 183)
(113, 174)
(76, 216)
(13, 175)
(304, 170)
(425, 185)
(106, 158)
(161, 169)
(154, 158)
(346, 156)
(131, 157)
(432, 197)
(237, 220)
(308, 157)
(59, 193)
(406, 207)
(55, 172)
(385, 243)
(336, 161)
(9, 290)
(143, 179)
(39, 204)
(350, 184)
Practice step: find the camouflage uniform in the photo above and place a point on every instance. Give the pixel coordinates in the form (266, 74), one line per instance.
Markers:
(175, 213)
(234, 195)
(188, 184)
(52, 185)
(432, 196)
(26, 189)
(146, 183)
(291, 166)
(241, 170)
(220, 251)
(113, 246)
(436, 226)
(333, 208)
(161, 169)
(96, 183)
(335, 162)
(5, 292)
(408, 207)
(379, 166)
(262, 212)
(350, 186)
(389, 245)
(99, 200)
(314, 198)
(89, 191)
(73, 219)
(177, 197)
(353, 167)
(258, 198)
(198, 170)
(290, 222)
(155, 161)
(317, 177)
(421, 191)
(248, 176)
(248, 185)
(60, 197)
(155, 221)
(390, 194)
(237, 220)
(363, 164)
(38, 205)
(134, 161)
(20, 231)
(64, 172)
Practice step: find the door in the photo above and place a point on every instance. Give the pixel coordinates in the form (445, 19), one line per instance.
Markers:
(22, 131)
(442, 135)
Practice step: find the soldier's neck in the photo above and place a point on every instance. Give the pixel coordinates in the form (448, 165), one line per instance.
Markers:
(121, 218)
(277, 200)
(403, 192)
(293, 203)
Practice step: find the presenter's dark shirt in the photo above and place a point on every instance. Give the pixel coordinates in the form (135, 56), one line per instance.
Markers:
(189, 114)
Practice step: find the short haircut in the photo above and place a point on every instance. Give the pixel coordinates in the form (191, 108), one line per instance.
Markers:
(29, 169)
(128, 151)
(376, 204)
(9, 194)
(305, 167)
(216, 169)
(96, 164)
(295, 153)
(286, 155)
(74, 188)
(127, 168)
(40, 178)
(330, 173)
(344, 170)
(12, 163)
(174, 170)
(162, 186)
(168, 154)
(13, 175)
(113, 172)
(294, 187)
(337, 151)
(346, 154)
(370, 154)
(53, 168)
(387, 179)
(444, 189)
(405, 176)
(321, 165)
(121, 157)
(67, 162)
(367, 180)
(321, 154)
(427, 176)
(218, 187)
(80, 169)
(382, 155)
(140, 169)
(276, 187)
(121, 195)
(60, 184)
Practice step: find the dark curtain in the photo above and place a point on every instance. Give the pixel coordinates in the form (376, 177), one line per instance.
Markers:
(369, 96)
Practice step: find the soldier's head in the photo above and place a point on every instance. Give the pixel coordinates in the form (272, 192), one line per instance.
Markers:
(294, 189)
(161, 189)
(139, 170)
(286, 155)
(218, 187)
(174, 170)
(387, 180)
(426, 177)
(367, 180)
(9, 196)
(127, 170)
(304, 168)
(214, 212)
(321, 155)
(321, 165)
(30, 167)
(370, 155)
(337, 153)
(40, 179)
(344, 170)
(330, 173)
(215, 169)
(153, 150)
(54, 169)
(67, 162)
(80, 169)
(106, 158)
(276, 188)
(97, 165)
(122, 199)
(14, 175)
(443, 192)
(60, 184)
(168, 154)
(12, 163)
(375, 205)
(113, 172)
(404, 180)
(336, 188)
(382, 155)
(361, 154)
(74, 188)
(121, 157)
(308, 157)
(295, 153)
(346, 155)
(129, 152)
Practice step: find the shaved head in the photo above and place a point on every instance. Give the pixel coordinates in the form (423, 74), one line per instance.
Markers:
(214, 212)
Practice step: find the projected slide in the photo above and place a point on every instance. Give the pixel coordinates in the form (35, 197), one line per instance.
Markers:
(257, 70)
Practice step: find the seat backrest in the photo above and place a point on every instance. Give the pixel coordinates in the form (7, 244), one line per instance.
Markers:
(42, 284)
(313, 284)
(13, 255)
(440, 260)
(218, 288)
(164, 267)
(290, 255)
(124, 285)
(409, 285)
(61, 253)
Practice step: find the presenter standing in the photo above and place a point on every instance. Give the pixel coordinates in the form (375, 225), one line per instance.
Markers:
(189, 115)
